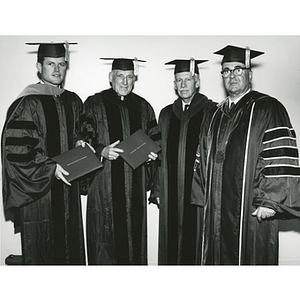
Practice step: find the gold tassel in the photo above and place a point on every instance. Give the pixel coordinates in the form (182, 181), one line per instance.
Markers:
(136, 67)
(67, 54)
(192, 66)
(247, 58)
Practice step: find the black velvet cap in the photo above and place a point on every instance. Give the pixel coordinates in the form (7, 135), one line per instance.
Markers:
(236, 54)
(124, 64)
(185, 65)
(52, 49)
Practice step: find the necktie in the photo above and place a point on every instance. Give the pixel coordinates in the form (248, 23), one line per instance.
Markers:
(186, 106)
(231, 105)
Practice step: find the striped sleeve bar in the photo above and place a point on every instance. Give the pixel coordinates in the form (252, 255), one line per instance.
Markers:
(280, 153)
(19, 143)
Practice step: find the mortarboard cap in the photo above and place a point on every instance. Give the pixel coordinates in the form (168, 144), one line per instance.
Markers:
(125, 64)
(53, 49)
(186, 65)
(237, 54)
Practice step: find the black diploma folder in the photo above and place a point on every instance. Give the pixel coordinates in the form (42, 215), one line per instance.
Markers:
(78, 162)
(137, 147)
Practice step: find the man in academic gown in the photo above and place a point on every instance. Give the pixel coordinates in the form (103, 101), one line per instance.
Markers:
(180, 222)
(42, 123)
(116, 197)
(253, 170)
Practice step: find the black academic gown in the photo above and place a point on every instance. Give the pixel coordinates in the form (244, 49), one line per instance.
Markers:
(180, 222)
(116, 197)
(252, 161)
(42, 123)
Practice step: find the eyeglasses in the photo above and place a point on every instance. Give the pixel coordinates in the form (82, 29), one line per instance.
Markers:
(237, 71)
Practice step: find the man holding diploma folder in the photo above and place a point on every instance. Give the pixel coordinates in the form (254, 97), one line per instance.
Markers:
(42, 123)
(117, 203)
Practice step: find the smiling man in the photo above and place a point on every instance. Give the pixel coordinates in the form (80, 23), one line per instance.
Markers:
(116, 198)
(52, 70)
(42, 123)
(253, 173)
(122, 81)
(180, 222)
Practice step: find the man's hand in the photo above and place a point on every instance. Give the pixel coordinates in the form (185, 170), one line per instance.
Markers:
(152, 156)
(262, 213)
(110, 152)
(83, 143)
(59, 174)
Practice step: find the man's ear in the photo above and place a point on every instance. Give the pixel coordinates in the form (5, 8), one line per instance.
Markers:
(110, 76)
(175, 87)
(39, 67)
(197, 83)
(250, 75)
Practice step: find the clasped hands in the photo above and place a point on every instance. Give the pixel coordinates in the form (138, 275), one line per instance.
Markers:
(60, 172)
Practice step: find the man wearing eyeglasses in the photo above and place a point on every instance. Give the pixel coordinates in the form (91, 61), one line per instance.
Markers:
(237, 80)
(253, 174)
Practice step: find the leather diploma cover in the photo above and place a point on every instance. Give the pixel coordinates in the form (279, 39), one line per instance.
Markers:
(137, 147)
(78, 162)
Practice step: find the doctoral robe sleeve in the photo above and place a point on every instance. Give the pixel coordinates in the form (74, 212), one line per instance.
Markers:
(277, 180)
(155, 189)
(89, 132)
(199, 169)
(89, 125)
(27, 171)
(152, 132)
(78, 112)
